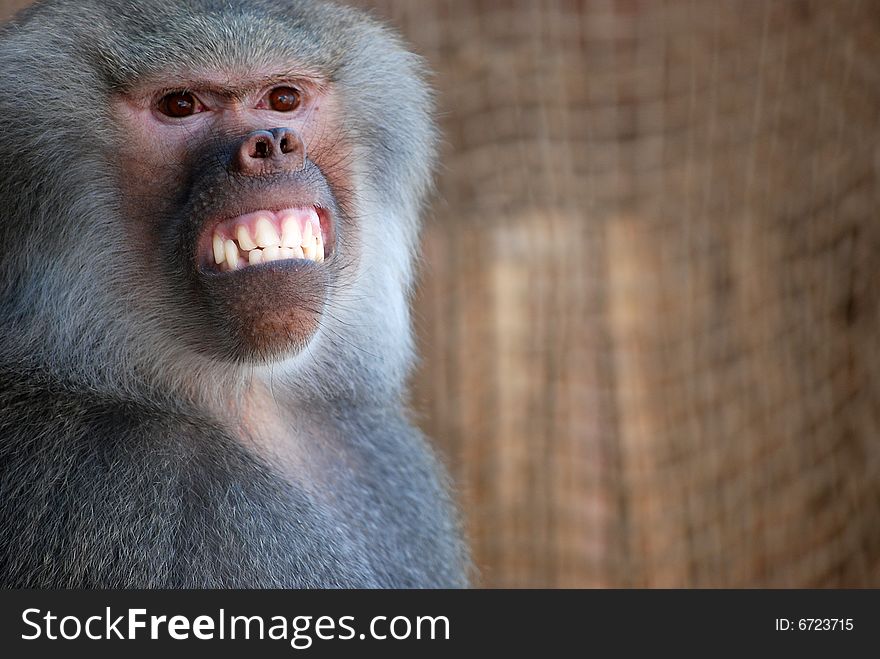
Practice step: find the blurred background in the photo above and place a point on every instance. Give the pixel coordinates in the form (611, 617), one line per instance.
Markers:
(649, 310)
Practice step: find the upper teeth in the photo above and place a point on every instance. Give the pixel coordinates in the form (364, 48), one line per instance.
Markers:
(291, 236)
(255, 239)
(244, 239)
(266, 234)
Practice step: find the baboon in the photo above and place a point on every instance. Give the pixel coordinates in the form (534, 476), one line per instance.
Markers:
(209, 211)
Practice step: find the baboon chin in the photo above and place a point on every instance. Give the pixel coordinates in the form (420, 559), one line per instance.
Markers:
(204, 328)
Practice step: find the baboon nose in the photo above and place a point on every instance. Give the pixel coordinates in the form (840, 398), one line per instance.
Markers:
(266, 151)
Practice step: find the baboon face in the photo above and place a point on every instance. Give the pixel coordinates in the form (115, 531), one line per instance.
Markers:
(234, 176)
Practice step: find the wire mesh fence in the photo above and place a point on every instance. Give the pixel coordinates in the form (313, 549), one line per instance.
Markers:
(649, 309)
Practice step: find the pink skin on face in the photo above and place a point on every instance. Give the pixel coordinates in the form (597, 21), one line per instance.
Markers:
(229, 105)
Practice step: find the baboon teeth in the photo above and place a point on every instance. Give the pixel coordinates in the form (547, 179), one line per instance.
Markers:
(265, 236)
(244, 239)
(219, 249)
(232, 257)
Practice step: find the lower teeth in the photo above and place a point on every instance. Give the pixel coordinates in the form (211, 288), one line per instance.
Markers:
(236, 259)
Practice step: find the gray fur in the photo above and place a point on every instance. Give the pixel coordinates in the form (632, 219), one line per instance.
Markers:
(115, 469)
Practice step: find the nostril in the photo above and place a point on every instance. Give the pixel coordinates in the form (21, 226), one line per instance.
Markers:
(285, 145)
(261, 149)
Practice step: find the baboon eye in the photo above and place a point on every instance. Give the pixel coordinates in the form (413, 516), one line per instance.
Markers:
(284, 99)
(179, 104)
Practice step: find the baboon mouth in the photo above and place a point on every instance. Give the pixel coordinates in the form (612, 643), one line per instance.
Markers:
(264, 236)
